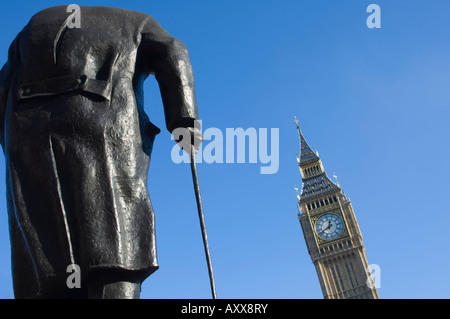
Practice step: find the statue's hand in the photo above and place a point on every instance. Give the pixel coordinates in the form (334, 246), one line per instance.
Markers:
(196, 137)
(185, 137)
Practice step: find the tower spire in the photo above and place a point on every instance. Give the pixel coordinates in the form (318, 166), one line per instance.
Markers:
(314, 177)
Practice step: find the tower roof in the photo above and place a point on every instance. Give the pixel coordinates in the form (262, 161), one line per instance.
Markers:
(306, 153)
(317, 186)
(315, 181)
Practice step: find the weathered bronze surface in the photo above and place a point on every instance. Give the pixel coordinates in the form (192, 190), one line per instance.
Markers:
(77, 144)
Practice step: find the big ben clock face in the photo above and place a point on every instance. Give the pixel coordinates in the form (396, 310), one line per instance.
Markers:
(329, 226)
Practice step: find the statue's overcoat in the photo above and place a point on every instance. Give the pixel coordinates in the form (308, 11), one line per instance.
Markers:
(77, 142)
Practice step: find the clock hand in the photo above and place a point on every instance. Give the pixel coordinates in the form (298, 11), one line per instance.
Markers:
(328, 227)
(324, 229)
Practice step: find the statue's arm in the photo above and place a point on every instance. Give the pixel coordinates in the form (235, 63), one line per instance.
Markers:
(168, 59)
(6, 77)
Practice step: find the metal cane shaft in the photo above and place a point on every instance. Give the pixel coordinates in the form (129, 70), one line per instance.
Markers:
(202, 221)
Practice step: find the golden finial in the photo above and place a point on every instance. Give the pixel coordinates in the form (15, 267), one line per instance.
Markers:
(296, 122)
(296, 190)
(335, 177)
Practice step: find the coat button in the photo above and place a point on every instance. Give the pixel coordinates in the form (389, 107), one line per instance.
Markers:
(81, 80)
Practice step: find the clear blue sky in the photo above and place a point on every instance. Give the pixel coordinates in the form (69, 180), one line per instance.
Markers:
(373, 102)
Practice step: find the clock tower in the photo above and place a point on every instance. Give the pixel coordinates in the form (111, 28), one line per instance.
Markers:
(331, 232)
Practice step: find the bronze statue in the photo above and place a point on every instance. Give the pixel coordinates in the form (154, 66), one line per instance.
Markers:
(77, 144)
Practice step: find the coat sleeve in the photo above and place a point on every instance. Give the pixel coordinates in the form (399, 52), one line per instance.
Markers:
(6, 77)
(168, 59)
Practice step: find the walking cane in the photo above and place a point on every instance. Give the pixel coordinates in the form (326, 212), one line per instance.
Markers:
(202, 221)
